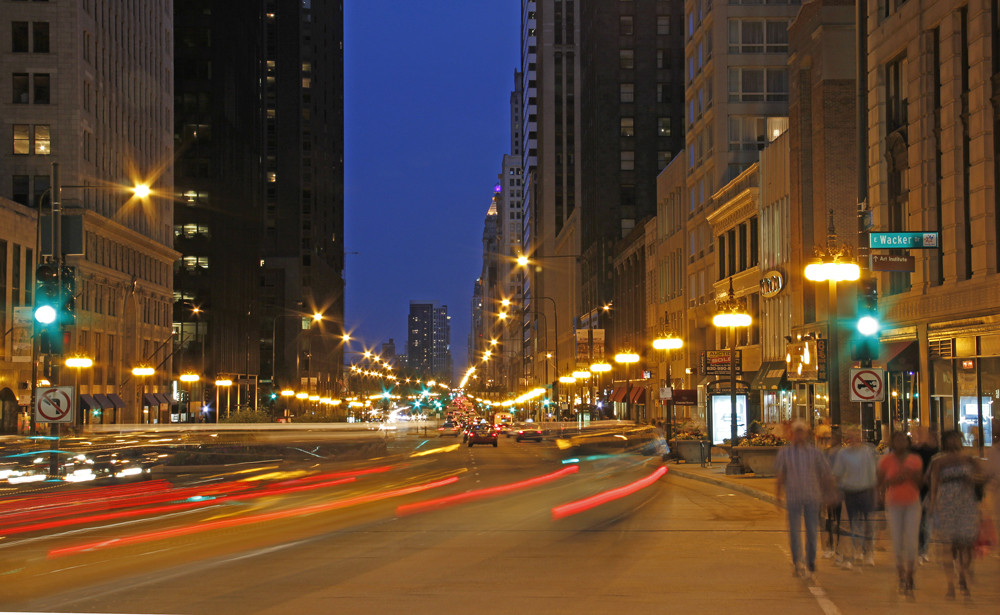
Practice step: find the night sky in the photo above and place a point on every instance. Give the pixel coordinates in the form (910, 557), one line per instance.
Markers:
(427, 89)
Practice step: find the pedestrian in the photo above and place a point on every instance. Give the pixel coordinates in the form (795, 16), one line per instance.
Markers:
(832, 510)
(925, 445)
(855, 471)
(900, 473)
(802, 471)
(955, 509)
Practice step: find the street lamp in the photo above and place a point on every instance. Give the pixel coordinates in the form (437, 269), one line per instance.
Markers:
(732, 314)
(831, 265)
(668, 342)
(566, 380)
(145, 372)
(627, 359)
(226, 383)
(189, 378)
(78, 363)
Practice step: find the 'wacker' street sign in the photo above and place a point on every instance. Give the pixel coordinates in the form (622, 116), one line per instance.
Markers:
(903, 241)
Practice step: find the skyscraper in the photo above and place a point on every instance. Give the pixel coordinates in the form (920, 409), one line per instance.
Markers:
(90, 87)
(262, 135)
(428, 344)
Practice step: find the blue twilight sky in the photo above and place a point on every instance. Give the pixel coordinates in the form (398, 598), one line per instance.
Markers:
(427, 89)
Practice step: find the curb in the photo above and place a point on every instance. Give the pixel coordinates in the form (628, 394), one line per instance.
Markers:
(752, 492)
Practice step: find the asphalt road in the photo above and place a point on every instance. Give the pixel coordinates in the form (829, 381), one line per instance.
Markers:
(295, 542)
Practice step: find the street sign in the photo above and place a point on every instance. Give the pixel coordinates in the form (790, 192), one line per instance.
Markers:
(867, 384)
(716, 362)
(54, 405)
(892, 262)
(922, 239)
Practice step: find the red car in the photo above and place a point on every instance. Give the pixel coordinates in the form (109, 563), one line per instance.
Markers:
(482, 434)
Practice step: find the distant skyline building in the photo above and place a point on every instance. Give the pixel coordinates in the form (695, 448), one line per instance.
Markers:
(428, 341)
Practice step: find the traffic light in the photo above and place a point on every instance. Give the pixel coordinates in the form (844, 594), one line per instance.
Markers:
(67, 313)
(865, 346)
(47, 307)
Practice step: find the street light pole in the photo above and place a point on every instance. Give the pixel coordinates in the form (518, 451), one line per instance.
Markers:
(732, 314)
(833, 265)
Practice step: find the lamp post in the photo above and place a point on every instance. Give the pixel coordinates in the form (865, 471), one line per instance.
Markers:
(190, 378)
(627, 359)
(566, 380)
(144, 372)
(78, 363)
(584, 375)
(225, 383)
(732, 314)
(669, 342)
(831, 265)
(600, 369)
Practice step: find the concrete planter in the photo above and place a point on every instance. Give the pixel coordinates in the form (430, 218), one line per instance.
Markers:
(758, 459)
(689, 450)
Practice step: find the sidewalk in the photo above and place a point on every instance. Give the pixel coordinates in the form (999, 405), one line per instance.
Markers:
(865, 589)
(760, 487)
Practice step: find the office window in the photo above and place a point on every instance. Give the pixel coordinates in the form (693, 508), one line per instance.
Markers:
(628, 127)
(663, 159)
(628, 161)
(625, 27)
(747, 133)
(626, 59)
(758, 84)
(40, 36)
(42, 88)
(627, 92)
(20, 189)
(19, 36)
(20, 88)
(663, 24)
(22, 139)
(758, 36)
(663, 126)
(43, 145)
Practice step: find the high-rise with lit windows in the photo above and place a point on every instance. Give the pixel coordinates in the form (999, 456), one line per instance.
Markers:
(89, 85)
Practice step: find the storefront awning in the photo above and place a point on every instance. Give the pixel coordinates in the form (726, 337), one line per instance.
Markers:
(89, 402)
(770, 377)
(116, 401)
(164, 399)
(151, 399)
(900, 356)
(103, 401)
(638, 395)
(617, 395)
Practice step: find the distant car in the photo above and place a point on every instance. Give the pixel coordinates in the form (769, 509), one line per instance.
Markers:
(448, 429)
(527, 432)
(482, 434)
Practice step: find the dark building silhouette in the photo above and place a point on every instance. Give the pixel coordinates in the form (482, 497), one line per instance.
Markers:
(428, 344)
(259, 86)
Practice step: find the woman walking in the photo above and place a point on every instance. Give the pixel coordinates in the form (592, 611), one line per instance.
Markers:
(955, 510)
(900, 473)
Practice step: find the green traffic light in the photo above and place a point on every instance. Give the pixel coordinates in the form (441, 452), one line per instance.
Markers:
(45, 314)
(868, 325)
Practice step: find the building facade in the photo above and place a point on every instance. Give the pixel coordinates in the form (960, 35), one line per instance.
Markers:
(90, 87)
(932, 70)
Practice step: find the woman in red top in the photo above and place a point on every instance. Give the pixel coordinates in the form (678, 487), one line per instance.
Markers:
(900, 473)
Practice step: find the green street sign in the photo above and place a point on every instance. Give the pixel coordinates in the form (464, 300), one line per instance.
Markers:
(904, 241)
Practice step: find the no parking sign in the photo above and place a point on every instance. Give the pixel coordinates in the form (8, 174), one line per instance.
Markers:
(54, 405)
